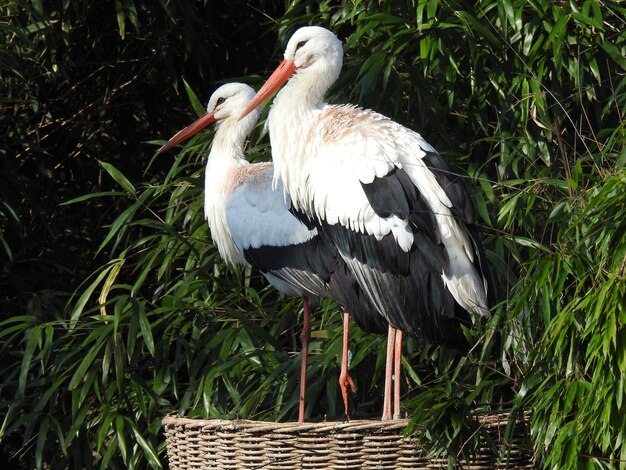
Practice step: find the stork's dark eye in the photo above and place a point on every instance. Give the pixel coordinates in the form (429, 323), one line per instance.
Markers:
(300, 44)
(220, 100)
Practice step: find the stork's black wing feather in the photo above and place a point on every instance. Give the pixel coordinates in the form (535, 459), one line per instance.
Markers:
(395, 194)
(312, 256)
(451, 182)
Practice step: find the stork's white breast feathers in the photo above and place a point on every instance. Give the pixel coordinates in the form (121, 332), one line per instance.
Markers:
(259, 216)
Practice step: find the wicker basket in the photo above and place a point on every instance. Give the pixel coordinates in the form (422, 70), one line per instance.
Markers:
(361, 444)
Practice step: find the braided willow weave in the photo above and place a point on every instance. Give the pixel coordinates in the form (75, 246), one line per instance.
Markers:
(361, 444)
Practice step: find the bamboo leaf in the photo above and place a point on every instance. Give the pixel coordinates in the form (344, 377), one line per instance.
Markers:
(122, 220)
(41, 441)
(32, 339)
(148, 449)
(116, 266)
(615, 54)
(121, 18)
(87, 197)
(85, 364)
(86, 294)
(197, 106)
(479, 27)
(146, 331)
(121, 437)
(119, 178)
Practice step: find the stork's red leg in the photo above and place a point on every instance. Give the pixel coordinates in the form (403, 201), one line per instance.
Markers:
(346, 383)
(304, 338)
(391, 336)
(397, 371)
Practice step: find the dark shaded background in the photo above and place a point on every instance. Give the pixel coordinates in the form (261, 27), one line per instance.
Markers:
(81, 91)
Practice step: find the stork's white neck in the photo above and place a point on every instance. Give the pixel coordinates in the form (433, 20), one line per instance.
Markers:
(226, 154)
(291, 120)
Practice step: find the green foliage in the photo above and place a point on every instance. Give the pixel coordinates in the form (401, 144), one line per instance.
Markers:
(577, 395)
(132, 314)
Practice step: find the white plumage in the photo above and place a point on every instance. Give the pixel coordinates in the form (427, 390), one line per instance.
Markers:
(244, 213)
(255, 213)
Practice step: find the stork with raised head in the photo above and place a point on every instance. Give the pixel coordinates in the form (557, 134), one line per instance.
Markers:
(251, 223)
(400, 217)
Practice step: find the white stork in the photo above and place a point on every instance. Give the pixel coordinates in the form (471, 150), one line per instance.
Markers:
(251, 223)
(399, 216)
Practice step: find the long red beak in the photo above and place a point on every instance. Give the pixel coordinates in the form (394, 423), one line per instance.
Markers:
(189, 131)
(280, 76)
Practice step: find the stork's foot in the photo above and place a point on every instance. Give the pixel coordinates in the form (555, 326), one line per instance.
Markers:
(348, 389)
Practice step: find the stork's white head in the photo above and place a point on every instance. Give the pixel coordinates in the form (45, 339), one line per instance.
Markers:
(228, 101)
(224, 107)
(315, 55)
(314, 46)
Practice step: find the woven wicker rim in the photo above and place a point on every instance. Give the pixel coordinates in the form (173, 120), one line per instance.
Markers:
(263, 426)
(486, 419)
